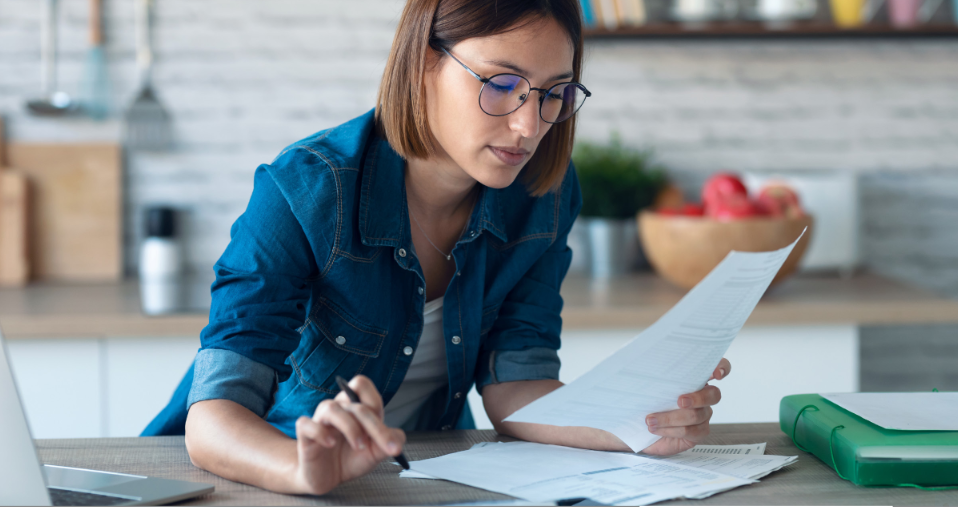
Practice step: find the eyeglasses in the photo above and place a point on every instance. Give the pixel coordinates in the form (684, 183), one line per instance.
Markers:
(502, 94)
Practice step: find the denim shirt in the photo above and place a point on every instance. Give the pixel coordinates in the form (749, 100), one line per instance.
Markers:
(321, 279)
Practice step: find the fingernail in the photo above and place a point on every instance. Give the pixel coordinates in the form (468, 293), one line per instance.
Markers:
(721, 372)
(685, 402)
(652, 422)
(361, 443)
(393, 447)
(330, 441)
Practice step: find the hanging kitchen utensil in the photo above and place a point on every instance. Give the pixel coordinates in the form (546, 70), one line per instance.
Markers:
(147, 122)
(53, 102)
(95, 90)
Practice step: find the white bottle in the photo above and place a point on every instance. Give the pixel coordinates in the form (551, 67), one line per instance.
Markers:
(161, 269)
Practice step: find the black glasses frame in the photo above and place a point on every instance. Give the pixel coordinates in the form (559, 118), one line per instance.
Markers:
(543, 92)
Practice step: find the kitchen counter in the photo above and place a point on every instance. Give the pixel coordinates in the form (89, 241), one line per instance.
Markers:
(633, 301)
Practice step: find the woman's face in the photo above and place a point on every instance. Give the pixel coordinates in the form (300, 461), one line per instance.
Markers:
(493, 149)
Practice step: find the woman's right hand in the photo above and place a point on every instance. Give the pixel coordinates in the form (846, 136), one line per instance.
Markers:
(344, 440)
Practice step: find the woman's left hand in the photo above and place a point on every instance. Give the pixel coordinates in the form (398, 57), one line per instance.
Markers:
(681, 429)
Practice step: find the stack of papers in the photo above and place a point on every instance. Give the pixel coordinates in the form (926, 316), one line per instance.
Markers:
(549, 473)
(736, 460)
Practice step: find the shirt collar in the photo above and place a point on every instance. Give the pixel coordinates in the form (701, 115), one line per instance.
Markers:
(383, 215)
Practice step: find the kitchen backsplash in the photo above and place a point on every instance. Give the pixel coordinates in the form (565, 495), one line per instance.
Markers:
(244, 78)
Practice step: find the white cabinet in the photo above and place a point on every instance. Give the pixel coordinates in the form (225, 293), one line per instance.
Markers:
(768, 363)
(80, 388)
(60, 388)
(140, 376)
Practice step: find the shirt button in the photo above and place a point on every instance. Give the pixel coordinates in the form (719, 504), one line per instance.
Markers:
(341, 340)
(420, 291)
(458, 273)
(457, 396)
(473, 233)
(456, 340)
(407, 350)
(446, 428)
(402, 252)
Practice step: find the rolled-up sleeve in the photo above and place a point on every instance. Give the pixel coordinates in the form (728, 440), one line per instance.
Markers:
(223, 374)
(524, 340)
(259, 301)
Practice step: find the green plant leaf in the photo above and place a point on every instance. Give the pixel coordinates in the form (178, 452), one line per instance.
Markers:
(616, 181)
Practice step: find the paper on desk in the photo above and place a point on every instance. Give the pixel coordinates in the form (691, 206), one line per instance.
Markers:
(686, 458)
(545, 473)
(674, 356)
(741, 466)
(736, 449)
(902, 411)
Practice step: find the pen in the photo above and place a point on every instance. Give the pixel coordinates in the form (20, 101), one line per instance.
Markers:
(353, 397)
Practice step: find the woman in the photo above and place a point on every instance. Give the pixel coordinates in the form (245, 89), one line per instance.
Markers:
(417, 250)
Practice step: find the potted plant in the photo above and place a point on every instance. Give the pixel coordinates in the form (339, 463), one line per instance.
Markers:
(616, 183)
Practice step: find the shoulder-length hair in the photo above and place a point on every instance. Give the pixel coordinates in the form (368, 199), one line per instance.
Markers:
(430, 25)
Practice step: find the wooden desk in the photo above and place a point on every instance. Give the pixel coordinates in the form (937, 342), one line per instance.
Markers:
(807, 482)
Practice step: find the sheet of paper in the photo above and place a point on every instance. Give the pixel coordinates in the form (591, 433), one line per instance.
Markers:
(902, 411)
(546, 473)
(738, 449)
(674, 356)
(743, 467)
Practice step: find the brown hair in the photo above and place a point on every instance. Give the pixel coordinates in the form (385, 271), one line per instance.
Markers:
(434, 24)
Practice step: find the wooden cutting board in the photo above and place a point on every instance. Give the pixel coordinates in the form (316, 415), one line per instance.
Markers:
(75, 217)
(14, 261)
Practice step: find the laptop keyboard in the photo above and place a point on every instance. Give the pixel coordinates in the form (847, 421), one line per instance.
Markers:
(67, 497)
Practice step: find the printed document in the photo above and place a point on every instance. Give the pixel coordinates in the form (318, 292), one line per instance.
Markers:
(546, 473)
(674, 356)
(745, 461)
(742, 466)
(903, 411)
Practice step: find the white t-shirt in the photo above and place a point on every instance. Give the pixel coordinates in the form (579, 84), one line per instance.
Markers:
(427, 373)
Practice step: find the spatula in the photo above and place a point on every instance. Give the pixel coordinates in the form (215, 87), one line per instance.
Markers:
(147, 122)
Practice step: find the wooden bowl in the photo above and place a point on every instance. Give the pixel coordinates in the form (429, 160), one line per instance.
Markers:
(684, 249)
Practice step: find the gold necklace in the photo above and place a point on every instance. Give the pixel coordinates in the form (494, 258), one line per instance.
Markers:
(448, 256)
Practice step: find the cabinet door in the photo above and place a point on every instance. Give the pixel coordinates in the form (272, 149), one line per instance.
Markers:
(141, 374)
(768, 363)
(60, 386)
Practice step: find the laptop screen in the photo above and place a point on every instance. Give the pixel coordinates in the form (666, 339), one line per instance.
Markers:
(21, 478)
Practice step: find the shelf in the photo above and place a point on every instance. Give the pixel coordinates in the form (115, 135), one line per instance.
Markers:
(753, 29)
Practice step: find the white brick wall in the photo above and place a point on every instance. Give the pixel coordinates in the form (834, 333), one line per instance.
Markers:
(243, 78)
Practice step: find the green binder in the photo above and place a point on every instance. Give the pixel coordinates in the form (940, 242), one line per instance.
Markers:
(865, 453)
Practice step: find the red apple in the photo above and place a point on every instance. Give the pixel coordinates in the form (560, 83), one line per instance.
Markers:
(735, 209)
(721, 187)
(693, 210)
(780, 201)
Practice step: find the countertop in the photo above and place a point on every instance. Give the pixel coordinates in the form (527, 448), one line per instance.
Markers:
(632, 301)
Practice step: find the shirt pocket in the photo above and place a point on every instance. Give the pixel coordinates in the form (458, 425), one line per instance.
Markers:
(346, 332)
(334, 343)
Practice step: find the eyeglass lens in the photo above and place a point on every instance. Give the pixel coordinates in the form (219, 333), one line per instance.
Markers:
(504, 93)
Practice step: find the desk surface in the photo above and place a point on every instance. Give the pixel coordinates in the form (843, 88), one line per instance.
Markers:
(807, 482)
(633, 301)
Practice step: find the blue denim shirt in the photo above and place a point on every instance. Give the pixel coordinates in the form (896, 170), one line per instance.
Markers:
(321, 279)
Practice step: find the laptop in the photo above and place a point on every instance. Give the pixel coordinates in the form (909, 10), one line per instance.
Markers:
(23, 481)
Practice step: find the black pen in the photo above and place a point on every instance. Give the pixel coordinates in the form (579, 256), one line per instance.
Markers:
(353, 397)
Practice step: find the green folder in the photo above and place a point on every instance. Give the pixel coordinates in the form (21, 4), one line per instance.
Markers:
(865, 453)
